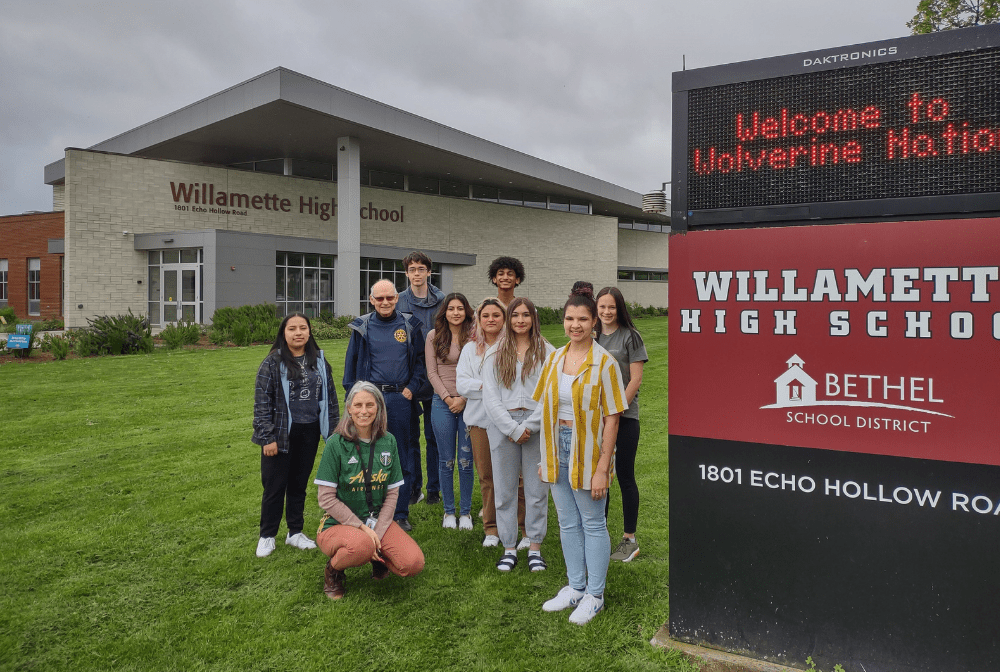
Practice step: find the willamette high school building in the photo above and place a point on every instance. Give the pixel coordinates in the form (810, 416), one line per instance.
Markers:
(287, 190)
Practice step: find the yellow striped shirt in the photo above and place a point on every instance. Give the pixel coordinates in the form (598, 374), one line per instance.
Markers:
(597, 392)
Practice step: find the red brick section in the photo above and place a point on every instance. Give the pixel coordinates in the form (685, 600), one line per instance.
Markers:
(24, 237)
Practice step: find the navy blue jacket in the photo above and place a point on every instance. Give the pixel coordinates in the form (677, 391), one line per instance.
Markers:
(357, 362)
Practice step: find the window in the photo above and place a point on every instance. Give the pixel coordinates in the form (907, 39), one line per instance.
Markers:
(386, 180)
(423, 185)
(642, 275)
(3, 283)
(484, 193)
(579, 207)
(511, 197)
(303, 283)
(559, 203)
(373, 270)
(34, 286)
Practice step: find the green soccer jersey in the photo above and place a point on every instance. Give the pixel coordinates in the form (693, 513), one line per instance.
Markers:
(342, 466)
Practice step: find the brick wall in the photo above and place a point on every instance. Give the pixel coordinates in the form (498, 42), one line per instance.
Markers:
(27, 236)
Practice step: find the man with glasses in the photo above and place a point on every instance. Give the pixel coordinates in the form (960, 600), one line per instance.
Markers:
(422, 300)
(387, 349)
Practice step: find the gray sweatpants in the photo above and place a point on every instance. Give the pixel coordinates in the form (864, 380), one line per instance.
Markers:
(511, 460)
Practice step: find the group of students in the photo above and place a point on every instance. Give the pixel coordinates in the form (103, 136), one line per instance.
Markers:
(533, 419)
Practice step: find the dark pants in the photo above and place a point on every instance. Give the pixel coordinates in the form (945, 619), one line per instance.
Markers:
(626, 446)
(423, 408)
(285, 477)
(398, 409)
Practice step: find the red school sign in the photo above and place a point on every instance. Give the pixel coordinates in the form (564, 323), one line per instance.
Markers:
(879, 338)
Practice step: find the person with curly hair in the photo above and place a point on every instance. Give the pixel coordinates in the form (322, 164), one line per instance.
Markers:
(506, 273)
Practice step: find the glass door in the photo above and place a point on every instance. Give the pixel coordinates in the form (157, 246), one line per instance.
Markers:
(175, 287)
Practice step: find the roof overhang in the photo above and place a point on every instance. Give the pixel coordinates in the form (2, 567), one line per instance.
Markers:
(283, 114)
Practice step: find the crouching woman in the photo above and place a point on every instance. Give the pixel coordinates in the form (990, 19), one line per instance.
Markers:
(359, 477)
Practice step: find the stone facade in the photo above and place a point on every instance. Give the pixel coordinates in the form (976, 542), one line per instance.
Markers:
(110, 198)
(642, 249)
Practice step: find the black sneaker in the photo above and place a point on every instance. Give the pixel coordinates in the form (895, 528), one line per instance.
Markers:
(405, 524)
(434, 498)
(416, 497)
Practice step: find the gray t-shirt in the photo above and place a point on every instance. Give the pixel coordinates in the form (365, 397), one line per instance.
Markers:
(627, 347)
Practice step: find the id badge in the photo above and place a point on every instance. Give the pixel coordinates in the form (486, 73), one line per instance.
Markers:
(371, 521)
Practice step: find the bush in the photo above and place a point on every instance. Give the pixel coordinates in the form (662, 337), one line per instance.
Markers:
(177, 335)
(9, 316)
(245, 325)
(334, 328)
(550, 315)
(115, 335)
(58, 346)
(49, 325)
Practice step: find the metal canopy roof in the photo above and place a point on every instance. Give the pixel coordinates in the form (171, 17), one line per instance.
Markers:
(283, 114)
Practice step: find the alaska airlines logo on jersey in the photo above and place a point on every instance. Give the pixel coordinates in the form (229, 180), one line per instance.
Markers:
(796, 389)
(378, 477)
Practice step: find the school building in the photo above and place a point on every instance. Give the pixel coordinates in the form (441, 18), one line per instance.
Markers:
(287, 190)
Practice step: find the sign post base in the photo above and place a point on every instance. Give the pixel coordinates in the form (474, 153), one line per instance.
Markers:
(713, 660)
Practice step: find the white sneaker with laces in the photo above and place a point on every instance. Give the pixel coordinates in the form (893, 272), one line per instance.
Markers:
(566, 598)
(524, 543)
(265, 546)
(491, 540)
(449, 522)
(300, 541)
(589, 607)
(465, 523)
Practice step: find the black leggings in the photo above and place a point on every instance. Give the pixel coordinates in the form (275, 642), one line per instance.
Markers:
(626, 446)
(285, 477)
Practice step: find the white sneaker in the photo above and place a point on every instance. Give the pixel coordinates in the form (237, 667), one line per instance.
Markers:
(265, 546)
(524, 543)
(465, 523)
(566, 598)
(589, 607)
(491, 540)
(449, 521)
(301, 541)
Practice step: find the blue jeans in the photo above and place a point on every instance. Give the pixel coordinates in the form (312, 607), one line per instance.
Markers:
(583, 529)
(423, 408)
(397, 408)
(449, 430)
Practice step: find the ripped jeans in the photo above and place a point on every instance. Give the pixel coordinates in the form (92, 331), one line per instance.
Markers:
(452, 438)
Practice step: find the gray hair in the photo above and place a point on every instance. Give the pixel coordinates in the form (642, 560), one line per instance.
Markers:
(346, 426)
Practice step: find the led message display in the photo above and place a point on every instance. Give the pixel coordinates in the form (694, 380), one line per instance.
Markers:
(926, 126)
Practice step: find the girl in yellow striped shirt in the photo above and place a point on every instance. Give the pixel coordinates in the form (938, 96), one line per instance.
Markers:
(580, 395)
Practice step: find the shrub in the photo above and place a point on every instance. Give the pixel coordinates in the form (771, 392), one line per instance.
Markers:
(245, 325)
(9, 316)
(550, 315)
(334, 328)
(50, 325)
(115, 335)
(176, 335)
(59, 346)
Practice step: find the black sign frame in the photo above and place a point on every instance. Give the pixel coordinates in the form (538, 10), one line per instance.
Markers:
(854, 56)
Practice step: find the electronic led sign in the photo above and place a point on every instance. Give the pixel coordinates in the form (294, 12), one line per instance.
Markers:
(866, 136)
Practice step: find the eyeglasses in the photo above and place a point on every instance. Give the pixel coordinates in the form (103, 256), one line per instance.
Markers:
(383, 299)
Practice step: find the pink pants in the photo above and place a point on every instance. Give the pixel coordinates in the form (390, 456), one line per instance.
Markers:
(348, 546)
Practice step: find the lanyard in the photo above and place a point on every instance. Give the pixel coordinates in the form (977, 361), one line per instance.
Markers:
(368, 476)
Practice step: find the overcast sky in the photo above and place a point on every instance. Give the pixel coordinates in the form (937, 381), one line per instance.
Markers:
(583, 84)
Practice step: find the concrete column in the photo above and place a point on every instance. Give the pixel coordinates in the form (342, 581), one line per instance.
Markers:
(348, 280)
(288, 167)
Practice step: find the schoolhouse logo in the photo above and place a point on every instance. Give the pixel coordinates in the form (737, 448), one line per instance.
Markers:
(797, 390)
(385, 458)
(400, 335)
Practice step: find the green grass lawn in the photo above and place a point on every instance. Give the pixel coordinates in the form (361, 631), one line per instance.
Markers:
(129, 505)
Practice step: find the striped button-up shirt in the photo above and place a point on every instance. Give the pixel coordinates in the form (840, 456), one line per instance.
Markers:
(597, 392)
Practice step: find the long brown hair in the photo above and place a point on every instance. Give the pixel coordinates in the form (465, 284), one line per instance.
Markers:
(442, 327)
(506, 357)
